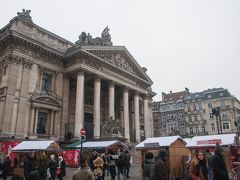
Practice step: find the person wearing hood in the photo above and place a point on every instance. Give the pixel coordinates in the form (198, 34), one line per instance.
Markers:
(219, 165)
(149, 165)
(52, 167)
(161, 170)
(84, 173)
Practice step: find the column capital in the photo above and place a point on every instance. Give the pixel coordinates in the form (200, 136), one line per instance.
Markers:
(80, 71)
(97, 77)
(111, 83)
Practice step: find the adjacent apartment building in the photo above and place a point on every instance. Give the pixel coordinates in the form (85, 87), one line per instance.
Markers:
(190, 114)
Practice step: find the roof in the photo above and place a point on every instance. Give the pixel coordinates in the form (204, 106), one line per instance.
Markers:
(158, 142)
(96, 144)
(211, 140)
(32, 146)
(174, 96)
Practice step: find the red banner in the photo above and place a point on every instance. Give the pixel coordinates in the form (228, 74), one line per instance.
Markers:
(6, 148)
(213, 141)
(71, 157)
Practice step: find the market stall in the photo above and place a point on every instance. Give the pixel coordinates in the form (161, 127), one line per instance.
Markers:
(209, 142)
(72, 151)
(40, 150)
(174, 145)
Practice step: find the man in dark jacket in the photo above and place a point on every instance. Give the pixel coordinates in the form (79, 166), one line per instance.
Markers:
(149, 165)
(28, 167)
(120, 166)
(218, 165)
(161, 169)
(6, 168)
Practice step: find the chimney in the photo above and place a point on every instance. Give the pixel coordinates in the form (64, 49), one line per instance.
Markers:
(186, 91)
(163, 96)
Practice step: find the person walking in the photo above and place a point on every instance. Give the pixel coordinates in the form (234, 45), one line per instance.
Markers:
(112, 168)
(127, 165)
(198, 167)
(120, 166)
(219, 165)
(52, 167)
(62, 166)
(149, 165)
(161, 170)
(208, 156)
(84, 173)
(6, 167)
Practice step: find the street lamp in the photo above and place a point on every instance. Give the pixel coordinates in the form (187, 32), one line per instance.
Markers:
(216, 113)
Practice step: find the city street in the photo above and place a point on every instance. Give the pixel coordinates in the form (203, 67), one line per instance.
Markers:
(135, 173)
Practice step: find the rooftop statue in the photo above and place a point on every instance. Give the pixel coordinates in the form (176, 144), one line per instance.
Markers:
(25, 14)
(105, 34)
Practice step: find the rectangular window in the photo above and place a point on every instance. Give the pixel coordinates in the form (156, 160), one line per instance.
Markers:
(188, 109)
(42, 122)
(194, 108)
(210, 115)
(191, 130)
(222, 103)
(200, 107)
(210, 105)
(197, 130)
(225, 125)
(203, 129)
(213, 127)
(195, 118)
(189, 119)
(46, 82)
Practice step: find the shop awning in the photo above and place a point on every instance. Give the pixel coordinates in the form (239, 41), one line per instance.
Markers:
(28, 146)
(211, 140)
(158, 142)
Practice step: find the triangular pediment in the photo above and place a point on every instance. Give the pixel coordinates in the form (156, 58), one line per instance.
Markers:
(120, 58)
(45, 99)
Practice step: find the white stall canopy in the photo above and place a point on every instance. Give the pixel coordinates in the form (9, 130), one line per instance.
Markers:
(212, 140)
(157, 142)
(101, 144)
(28, 146)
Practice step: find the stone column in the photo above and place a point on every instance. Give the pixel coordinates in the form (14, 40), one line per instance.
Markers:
(36, 122)
(96, 114)
(126, 113)
(79, 111)
(146, 118)
(111, 89)
(136, 117)
(32, 121)
(51, 123)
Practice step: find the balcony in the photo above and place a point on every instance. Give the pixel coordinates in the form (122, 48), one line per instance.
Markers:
(199, 111)
(201, 122)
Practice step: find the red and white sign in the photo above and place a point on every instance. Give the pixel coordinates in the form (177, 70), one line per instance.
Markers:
(213, 141)
(82, 131)
(71, 157)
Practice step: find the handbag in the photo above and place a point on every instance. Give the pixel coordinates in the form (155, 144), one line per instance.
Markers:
(58, 171)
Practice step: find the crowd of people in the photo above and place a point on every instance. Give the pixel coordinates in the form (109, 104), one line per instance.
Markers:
(100, 165)
(204, 166)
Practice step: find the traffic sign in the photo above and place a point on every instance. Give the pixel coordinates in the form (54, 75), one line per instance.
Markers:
(82, 131)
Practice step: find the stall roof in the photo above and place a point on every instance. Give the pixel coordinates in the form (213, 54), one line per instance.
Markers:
(32, 146)
(211, 140)
(158, 142)
(101, 144)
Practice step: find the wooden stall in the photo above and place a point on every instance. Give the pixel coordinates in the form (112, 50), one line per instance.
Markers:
(41, 150)
(175, 147)
(209, 142)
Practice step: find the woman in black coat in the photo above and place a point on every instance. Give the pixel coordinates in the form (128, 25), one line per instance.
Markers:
(218, 165)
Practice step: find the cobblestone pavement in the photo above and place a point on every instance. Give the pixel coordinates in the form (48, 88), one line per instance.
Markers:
(135, 173)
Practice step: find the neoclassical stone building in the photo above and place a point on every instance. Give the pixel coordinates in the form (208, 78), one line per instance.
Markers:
(50, 87)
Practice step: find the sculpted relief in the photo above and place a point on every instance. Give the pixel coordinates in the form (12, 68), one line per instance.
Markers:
(119, 61)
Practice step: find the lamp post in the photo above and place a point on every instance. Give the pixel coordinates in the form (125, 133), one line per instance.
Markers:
(216, 113)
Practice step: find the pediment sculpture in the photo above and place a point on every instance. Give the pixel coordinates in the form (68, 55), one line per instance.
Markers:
(25, 14)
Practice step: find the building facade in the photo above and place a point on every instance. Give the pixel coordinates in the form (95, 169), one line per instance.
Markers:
(190, 114)
(50, 88)
(169, 114)
(200, 119)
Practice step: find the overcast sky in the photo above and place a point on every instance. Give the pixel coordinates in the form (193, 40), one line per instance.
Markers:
(182, 43)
